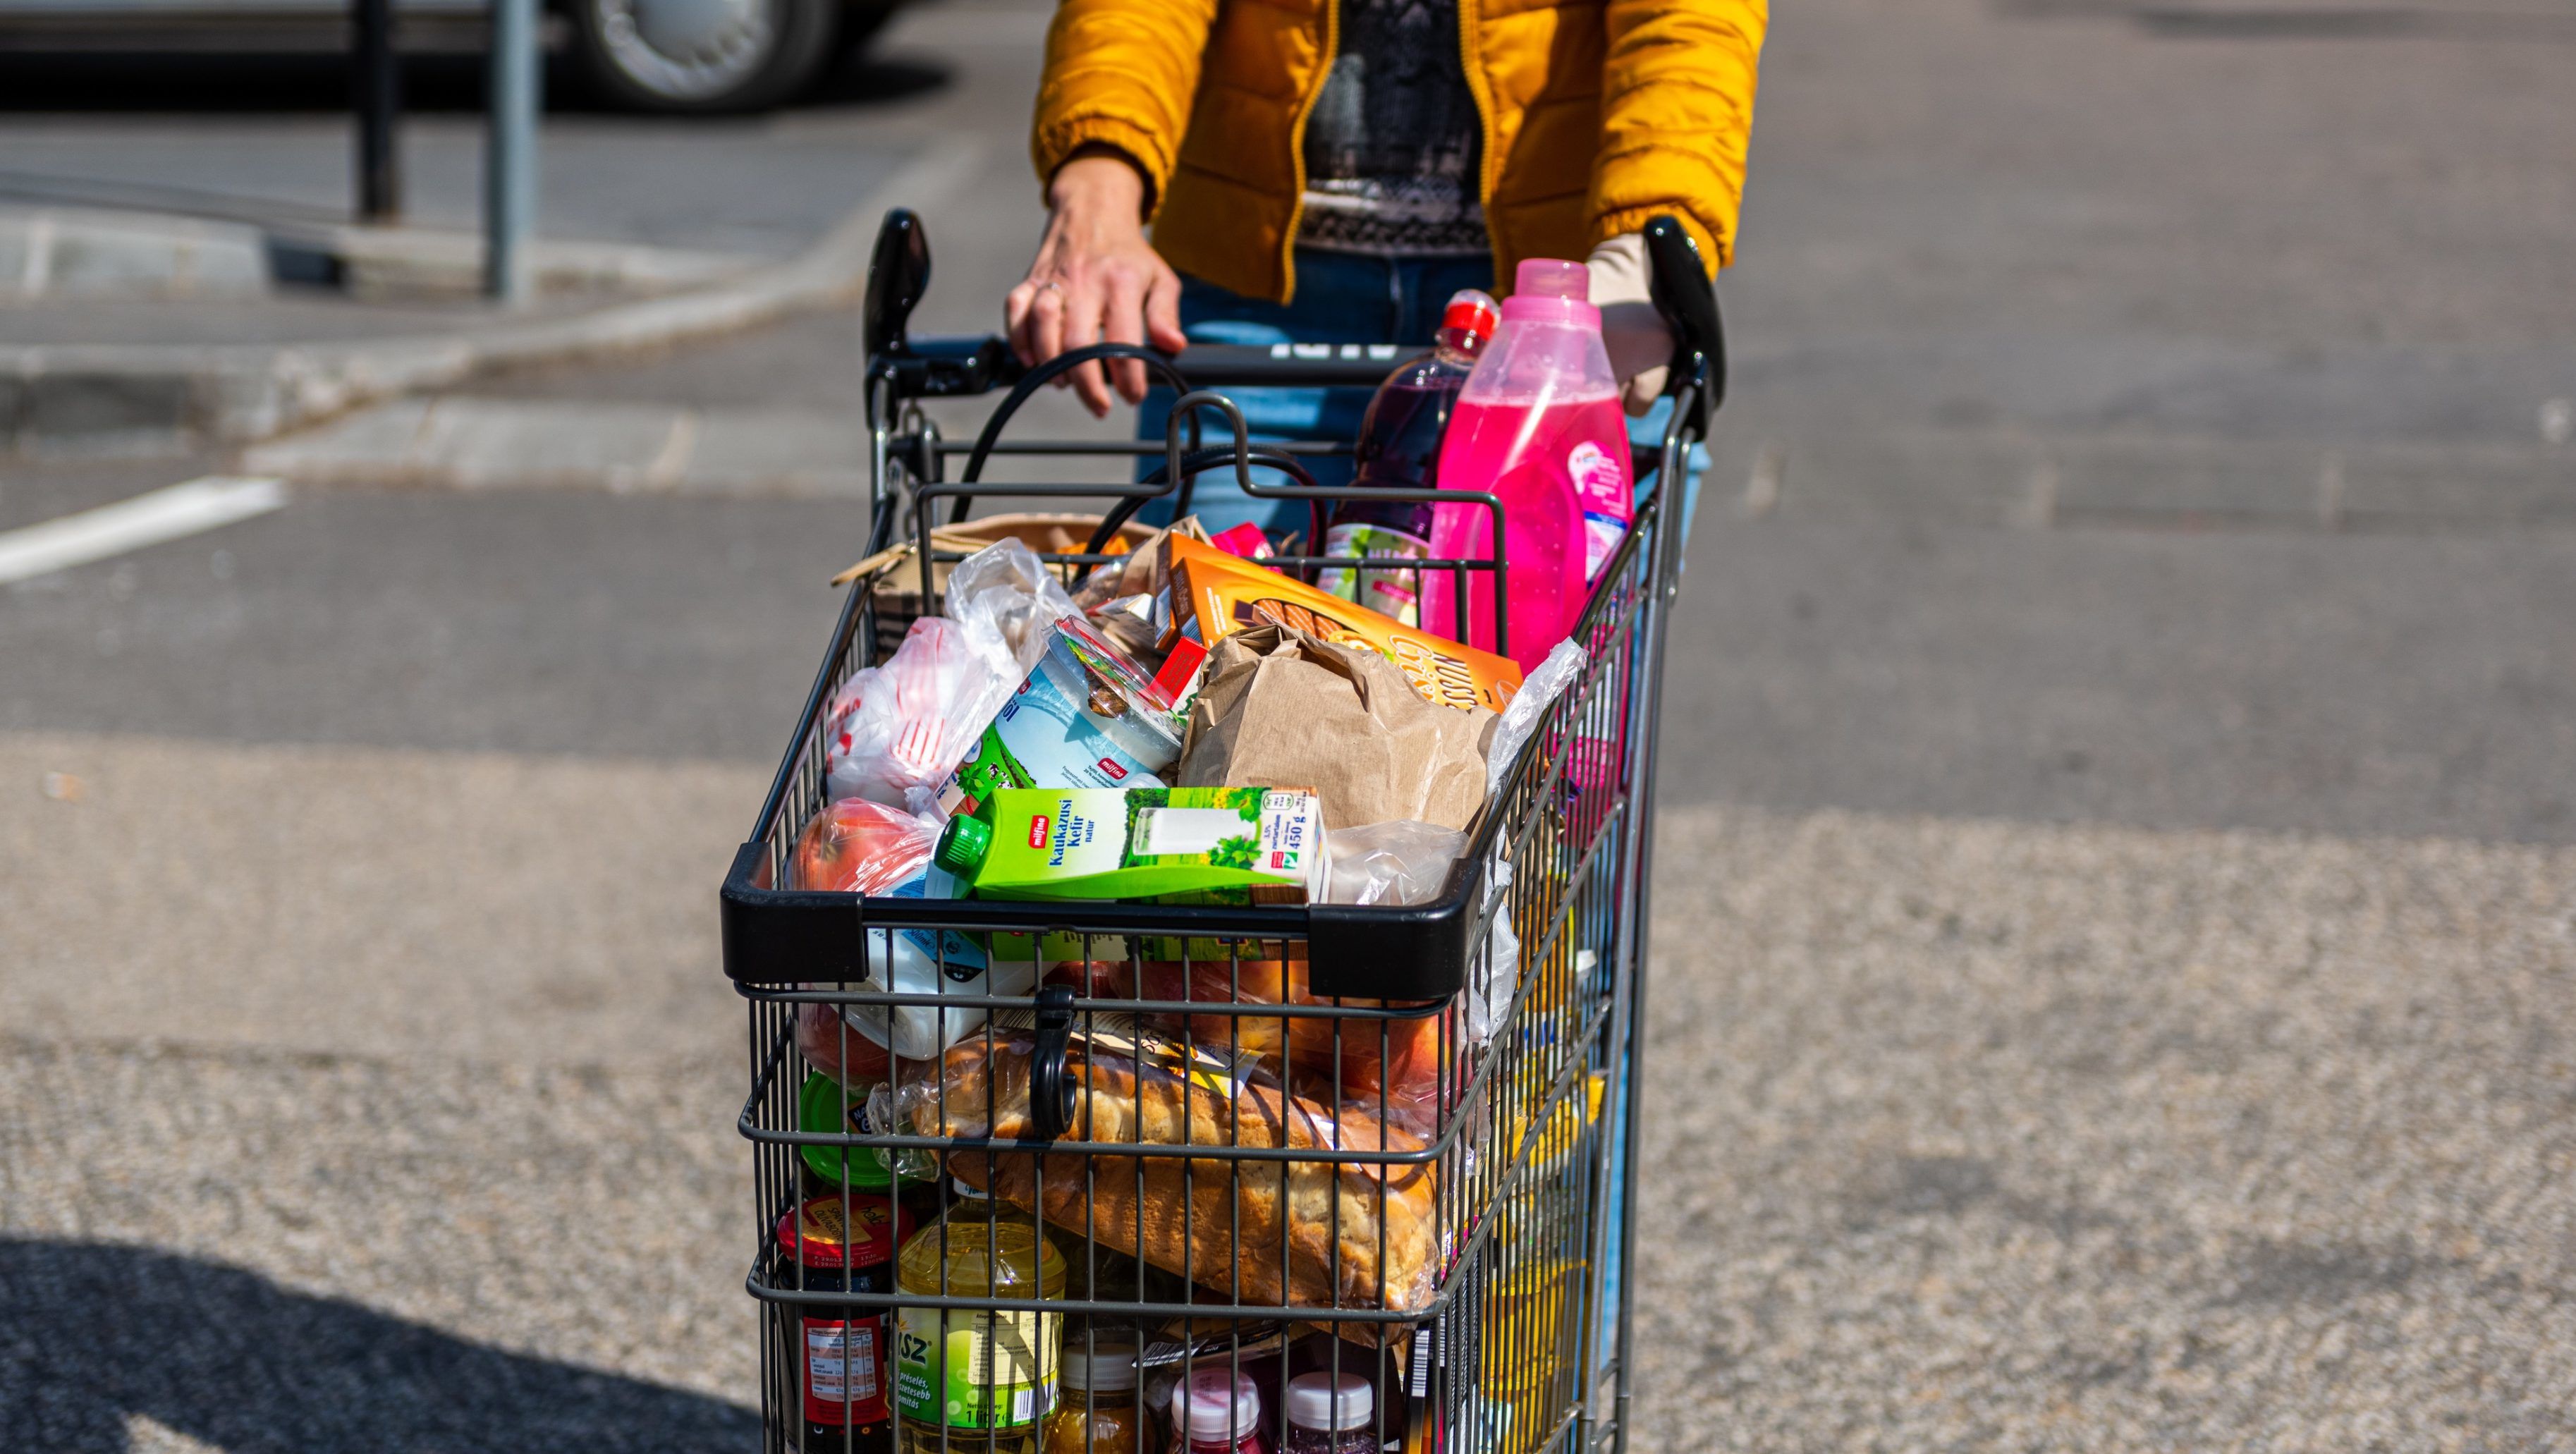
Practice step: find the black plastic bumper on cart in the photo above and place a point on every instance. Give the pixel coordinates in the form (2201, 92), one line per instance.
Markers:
(1415, 1178)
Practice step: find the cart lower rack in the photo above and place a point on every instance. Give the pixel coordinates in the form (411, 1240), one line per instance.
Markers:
(1258, 1177)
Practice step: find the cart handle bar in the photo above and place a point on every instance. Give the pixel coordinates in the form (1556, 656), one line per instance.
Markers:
(899, 275)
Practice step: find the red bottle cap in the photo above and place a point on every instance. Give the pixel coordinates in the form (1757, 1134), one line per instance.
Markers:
(817, 1235)
(1470, 311)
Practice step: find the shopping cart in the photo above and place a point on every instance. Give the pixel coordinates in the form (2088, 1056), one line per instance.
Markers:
(1394, 1144)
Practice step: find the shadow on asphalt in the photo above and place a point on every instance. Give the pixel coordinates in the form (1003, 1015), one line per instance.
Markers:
(92, 1334)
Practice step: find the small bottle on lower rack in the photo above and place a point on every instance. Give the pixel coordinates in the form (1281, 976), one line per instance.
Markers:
(969, 1382)
(1329, 1413)
(843, 1243)
(1100, 1412)
(1217, 1411)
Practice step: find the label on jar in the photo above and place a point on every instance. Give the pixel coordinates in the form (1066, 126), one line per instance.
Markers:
(842, 1383)
(974, 1370)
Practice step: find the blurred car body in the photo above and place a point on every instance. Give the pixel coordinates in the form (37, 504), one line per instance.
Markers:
(658, 55)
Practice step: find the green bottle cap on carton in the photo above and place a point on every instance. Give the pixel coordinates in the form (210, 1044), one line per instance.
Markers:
(963, 844)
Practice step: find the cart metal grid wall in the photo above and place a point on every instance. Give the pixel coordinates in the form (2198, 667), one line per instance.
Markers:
(1463, 1139)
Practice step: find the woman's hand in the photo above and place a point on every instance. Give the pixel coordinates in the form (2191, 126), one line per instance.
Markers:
(1095, 279)
(1633, 331)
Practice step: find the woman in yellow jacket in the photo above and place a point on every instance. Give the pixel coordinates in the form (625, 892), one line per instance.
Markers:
(1331, 170)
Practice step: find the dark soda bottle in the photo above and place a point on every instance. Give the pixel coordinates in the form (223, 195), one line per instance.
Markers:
(1399, 447)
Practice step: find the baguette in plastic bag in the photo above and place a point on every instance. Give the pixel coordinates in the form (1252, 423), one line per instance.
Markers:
(1312, 1233)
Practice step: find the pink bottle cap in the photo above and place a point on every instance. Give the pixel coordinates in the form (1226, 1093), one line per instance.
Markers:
(1548, 277)
(1552, 290)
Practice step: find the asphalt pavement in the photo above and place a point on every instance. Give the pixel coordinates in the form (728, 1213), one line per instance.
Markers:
(2116, 901)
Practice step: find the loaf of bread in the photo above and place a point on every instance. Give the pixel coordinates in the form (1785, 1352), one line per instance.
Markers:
(1387, 1068)
(1302, 1233)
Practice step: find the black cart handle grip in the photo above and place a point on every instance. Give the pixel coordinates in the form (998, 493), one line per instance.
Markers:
(1678, 282)
(1050, 1086)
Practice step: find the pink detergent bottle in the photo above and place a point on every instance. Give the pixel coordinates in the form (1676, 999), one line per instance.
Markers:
(1539, 425)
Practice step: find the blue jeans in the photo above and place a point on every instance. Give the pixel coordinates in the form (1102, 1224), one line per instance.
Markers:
(1341, 298)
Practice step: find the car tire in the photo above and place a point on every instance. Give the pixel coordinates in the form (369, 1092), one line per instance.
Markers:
(703, 57)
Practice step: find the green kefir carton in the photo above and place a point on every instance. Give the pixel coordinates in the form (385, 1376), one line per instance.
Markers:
(1168, 845)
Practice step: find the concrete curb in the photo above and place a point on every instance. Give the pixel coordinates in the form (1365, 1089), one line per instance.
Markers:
(77, 253)
(415, 262)
(153, 398)
(454, 442)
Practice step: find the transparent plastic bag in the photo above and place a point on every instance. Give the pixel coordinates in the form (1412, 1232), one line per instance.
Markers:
(1539, 691)
(858, 846)
(1492, 977)
(1004, 594)
(1403, 862)
(893, 731)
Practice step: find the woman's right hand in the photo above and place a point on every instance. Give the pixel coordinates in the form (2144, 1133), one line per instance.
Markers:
(1096, 279)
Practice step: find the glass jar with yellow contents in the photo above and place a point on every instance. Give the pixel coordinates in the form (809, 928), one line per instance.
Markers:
(1101, 1411)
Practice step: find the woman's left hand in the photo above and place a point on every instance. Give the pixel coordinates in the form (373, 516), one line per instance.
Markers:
(1096, 279)
(1633, 330)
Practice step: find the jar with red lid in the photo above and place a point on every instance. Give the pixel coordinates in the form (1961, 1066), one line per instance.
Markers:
(843, 1243)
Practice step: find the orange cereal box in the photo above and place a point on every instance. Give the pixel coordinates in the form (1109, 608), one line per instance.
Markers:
(1221, 592)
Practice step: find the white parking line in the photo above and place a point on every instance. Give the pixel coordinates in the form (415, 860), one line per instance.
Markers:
(149, 519)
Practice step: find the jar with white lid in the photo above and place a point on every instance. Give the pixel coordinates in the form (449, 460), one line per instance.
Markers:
(1216, 1411)
(1100, 1411)
(1330, 1413)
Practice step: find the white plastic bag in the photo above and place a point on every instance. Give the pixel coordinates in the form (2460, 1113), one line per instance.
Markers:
(901, 726)
(1521, 715)
(894, 731)
(1490, 981)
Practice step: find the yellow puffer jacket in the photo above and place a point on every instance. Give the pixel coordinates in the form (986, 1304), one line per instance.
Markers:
(1598, 115)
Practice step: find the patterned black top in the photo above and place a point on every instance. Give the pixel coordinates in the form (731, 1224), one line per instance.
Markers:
(1393, 143)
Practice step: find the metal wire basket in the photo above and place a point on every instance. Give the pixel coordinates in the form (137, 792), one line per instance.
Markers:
(1213, 1143)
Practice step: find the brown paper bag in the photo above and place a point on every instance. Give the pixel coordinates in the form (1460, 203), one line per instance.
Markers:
(1282, 709)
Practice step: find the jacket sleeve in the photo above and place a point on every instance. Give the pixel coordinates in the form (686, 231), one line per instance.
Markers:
(1120, 73)
(1676, 111)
